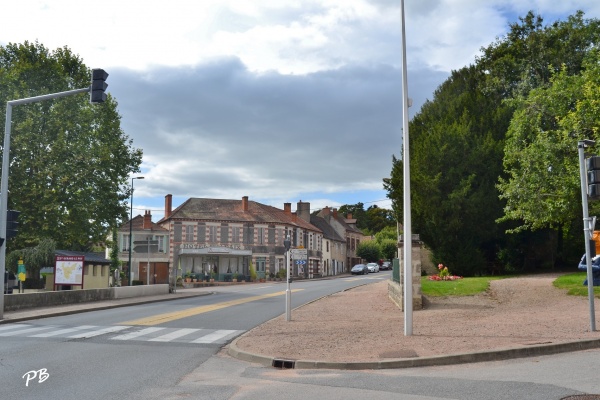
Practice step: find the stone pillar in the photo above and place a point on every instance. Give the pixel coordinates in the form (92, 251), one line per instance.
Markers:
(396, 289)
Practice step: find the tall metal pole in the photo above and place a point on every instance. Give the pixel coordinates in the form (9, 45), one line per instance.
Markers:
(131, 230)
(587, 229)
(408, 302)
(288, 294)
(5, 168)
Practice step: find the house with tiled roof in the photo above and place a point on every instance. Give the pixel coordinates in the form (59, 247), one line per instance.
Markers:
(149, 251)
(334, 248)
(345, 227)
(221, 237)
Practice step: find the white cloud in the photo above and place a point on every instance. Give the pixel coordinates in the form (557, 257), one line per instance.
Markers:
(272, 99)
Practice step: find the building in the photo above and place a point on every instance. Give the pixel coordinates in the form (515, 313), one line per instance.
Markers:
(149, 255)
(334, 248)
(346, 228)
(220, 238)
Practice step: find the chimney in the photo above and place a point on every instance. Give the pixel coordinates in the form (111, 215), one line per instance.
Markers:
(168, 205)
(325, 212)
(287, 208)
(349, 216)
(245, 203)
(147, 220)
(335, 213)
(303, 211)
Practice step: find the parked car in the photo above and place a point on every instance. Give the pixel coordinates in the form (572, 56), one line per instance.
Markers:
(385, 266)
(373, 267)
(359, 269)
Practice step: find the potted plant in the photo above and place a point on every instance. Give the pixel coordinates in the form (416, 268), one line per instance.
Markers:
(212, 276)
(235, 277)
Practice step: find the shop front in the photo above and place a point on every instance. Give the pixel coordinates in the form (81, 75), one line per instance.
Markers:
(220, 263)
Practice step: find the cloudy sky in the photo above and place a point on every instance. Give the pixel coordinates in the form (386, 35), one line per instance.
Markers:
(278, 100)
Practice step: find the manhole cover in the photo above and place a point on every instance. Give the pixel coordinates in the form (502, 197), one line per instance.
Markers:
(582, 397)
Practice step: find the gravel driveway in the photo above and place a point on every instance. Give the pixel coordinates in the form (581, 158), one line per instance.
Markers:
(362, 324)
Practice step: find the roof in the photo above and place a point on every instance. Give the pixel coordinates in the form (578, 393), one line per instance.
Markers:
(137, 224)
(232, 211)
(328, 231)
(96, 258)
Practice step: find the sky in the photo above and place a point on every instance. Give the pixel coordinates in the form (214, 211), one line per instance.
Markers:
(278, 100)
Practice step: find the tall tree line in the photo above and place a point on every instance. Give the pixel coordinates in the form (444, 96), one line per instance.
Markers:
(467, 147)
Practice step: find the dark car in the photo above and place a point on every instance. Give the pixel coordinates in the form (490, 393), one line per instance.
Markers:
(359, 269)
(10, 281)
(385, 266)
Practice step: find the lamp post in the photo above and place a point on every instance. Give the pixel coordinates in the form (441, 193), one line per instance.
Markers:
(131, 229)
(288, 298)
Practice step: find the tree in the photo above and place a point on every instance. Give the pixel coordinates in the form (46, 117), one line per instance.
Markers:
(541, 152)
(457, 143)
(70, 160)
(35, 258)
(368, 250)
(389, 249)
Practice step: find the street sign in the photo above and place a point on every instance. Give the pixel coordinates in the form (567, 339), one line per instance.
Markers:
(145, 246)
(299, 254)
(300, 262)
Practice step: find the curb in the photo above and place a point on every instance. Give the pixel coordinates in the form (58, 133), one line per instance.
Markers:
(484, 356)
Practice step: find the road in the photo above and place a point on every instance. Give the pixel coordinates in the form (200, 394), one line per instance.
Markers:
(171, 350)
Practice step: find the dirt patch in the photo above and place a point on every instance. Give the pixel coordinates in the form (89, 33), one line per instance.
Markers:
(362, 324)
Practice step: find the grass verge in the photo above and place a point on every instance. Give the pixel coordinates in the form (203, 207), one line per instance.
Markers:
(459, 287)
(573, 284)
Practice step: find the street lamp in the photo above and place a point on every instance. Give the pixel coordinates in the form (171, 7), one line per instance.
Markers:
(131, 229)
(288, 298)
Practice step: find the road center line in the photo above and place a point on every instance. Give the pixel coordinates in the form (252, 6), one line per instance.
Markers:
(175, 315)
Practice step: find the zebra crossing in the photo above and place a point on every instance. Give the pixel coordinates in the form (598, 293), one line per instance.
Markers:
(122, 333)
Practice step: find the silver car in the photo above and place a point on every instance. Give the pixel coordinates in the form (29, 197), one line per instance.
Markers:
(373, 267)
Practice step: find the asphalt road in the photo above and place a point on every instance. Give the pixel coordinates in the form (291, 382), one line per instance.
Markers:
(130, 351)
(172, 350)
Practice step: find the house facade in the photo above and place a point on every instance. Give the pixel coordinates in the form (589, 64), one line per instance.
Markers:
(149, 251)
(334, 248)
(345, 228)
(222, 238)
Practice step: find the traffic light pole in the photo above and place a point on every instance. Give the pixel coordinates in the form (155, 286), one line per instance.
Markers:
(587, 228)
(5, 167)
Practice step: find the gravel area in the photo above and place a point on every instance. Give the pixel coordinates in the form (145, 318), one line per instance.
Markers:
(362, 324)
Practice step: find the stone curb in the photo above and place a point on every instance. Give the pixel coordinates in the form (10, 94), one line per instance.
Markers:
(492, 355)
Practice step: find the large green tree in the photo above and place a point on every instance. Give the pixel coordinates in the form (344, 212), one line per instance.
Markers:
(542, 189)
(70, 160)
(457, 144)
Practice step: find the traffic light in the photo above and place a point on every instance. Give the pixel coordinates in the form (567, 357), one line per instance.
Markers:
(99, 85)
(593, 177)
(11, 223)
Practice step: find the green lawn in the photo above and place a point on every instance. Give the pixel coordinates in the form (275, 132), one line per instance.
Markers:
(459, 287)
(573, 283)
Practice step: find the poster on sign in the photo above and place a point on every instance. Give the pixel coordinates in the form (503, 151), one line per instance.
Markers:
(69, 270)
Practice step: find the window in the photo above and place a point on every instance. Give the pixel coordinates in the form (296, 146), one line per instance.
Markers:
(327, 245)
(161, 244)
(212, 234)
(189, 233)
(224, 233)
(261, 235)
(235, 234)
(125, 243)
